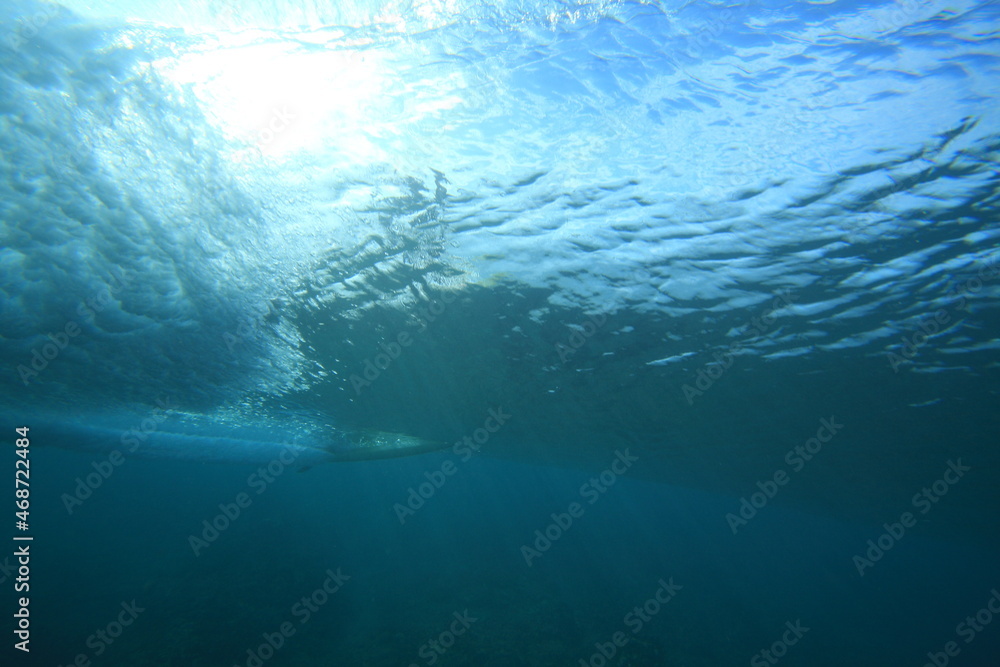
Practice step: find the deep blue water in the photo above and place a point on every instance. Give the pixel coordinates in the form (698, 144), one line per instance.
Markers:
(460, 552)
(502, 334)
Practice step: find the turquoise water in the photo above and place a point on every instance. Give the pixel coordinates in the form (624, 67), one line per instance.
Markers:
(459, 333)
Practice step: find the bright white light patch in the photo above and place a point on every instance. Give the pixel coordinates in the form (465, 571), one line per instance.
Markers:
(278, 98)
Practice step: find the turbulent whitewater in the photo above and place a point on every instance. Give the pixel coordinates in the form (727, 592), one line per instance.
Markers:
(570, 210)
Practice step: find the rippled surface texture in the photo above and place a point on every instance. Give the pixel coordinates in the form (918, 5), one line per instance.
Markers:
(608, 197)
(689, 229)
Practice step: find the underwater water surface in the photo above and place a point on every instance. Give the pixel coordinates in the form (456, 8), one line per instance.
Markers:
(500, 333)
